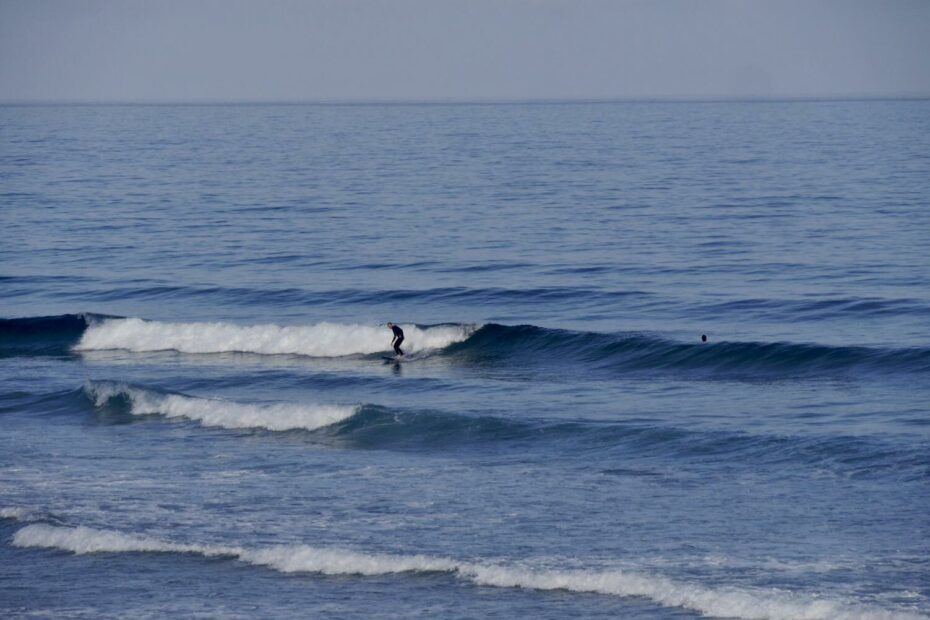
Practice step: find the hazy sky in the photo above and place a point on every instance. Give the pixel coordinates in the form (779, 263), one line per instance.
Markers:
(325, 50)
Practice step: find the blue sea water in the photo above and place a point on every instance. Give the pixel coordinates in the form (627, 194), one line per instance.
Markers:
(197, 421)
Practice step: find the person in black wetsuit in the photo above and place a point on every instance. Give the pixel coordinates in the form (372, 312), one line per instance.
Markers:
(398, 338)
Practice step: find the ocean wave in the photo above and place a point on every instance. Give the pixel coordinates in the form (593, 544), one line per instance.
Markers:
(375, 427)
(522, 344)
(372, 426)
(319, 340)
(514, 346)
(359, 425)
(748, 603)
(43, 335)
(212, 412)
(19, 514)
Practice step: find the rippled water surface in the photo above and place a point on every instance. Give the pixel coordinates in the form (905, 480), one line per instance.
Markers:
(197, 419)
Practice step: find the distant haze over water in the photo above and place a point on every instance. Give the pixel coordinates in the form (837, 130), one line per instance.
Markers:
(443, 50)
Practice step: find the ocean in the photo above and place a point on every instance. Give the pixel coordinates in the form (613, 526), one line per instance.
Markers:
(197, 420)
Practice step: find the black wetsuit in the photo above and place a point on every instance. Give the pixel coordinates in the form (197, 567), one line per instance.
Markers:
(398, 338)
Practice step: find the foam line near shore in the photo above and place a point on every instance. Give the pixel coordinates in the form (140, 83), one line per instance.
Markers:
(750, 604)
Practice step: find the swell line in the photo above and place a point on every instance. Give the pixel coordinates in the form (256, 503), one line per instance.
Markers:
(367, 426)
(505, 346)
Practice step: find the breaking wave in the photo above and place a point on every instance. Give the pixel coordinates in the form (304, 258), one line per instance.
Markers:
(213, 412)
(748, 603)
(369, 426)
(319, 340)
(43, 335)
(514, 346)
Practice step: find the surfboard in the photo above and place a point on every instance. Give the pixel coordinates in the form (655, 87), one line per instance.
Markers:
(407, 357)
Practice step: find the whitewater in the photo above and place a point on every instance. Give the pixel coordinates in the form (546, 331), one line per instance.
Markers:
(304, 559)
(225, 414)
(196, 419)
(320, 340)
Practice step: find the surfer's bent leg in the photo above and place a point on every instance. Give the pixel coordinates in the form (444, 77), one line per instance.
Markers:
(397, 346)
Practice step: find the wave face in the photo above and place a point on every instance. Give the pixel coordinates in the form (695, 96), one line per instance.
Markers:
(219, 413)
(370, 426)
(521, 344)
(493, 344)
(319, 340)
(751, 604)
(363, 426)
(41, 335)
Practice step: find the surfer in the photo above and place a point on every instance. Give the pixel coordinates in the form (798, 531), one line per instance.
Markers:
(398, 338)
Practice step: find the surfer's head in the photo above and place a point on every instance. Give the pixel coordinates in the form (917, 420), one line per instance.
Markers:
(390, 325)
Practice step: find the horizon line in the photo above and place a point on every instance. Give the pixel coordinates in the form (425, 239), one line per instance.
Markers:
(454, 102)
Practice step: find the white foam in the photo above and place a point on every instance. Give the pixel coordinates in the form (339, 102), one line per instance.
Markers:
(306, 559)
(18, 514)
(81, 540)
(222, 413)
(720, 602)
(283, 558)
(319, 340)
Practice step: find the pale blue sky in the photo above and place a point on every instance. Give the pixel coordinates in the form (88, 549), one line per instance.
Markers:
(338, 50)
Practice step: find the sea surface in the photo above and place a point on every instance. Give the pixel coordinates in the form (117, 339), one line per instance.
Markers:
(196, 420)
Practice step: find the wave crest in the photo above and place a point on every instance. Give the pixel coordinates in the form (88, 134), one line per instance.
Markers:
(319, 340)
(529, 344)
(221, 413)
(43, 335)
(508, 345)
